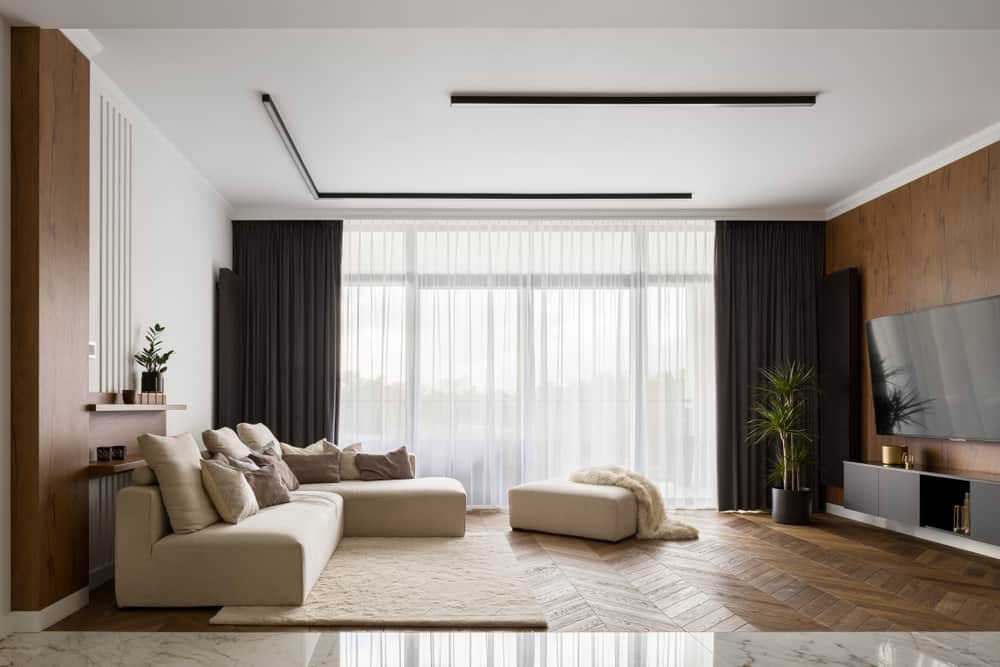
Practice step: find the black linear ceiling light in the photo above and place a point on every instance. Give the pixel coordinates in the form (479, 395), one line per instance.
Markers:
(613, 99)
(296, 156)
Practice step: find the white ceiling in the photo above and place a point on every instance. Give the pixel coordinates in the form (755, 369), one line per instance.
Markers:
(370, 110)
(924, 14)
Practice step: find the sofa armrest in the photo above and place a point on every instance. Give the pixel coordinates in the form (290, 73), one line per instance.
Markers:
(140, 522)
(413, 464)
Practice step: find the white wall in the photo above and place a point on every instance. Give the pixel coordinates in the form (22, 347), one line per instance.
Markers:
(4, 327)
(182, 235)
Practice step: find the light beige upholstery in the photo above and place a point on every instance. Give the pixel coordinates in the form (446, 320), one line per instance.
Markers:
(271, 558)
(569, 508)
(421, 507)
(275, 556)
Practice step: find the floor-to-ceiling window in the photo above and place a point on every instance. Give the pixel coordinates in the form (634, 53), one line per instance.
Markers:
(503, 352)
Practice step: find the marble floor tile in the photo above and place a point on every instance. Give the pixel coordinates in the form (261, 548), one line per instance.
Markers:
(499, 649)
(854, 649)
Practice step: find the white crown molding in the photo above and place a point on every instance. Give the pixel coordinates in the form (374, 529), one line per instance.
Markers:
(36, 621)
(84, 40)
(944, 157)
(359, 213)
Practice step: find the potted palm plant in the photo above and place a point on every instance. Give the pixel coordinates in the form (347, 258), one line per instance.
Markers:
(153, 360)
(779, 411)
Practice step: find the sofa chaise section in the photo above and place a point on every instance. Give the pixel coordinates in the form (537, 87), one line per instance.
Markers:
(419, 507)
(271, 558)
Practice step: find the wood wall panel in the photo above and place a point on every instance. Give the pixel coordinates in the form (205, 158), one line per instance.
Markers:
(50, 125)
(931, 242)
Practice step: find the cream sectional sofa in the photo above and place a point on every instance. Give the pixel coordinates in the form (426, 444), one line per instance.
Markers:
(275, 556)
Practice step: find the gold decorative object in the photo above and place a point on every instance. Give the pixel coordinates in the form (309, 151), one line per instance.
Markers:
(892, 455)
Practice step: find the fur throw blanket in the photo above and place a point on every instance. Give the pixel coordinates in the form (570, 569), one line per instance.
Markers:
(653, 521)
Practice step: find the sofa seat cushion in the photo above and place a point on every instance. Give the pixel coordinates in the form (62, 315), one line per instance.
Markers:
(271, 558)
(570, 508)
(421, 507)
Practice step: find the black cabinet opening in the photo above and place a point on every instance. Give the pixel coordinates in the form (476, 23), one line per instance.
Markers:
(938, 497)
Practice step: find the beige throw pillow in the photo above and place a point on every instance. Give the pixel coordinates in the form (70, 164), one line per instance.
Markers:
(269, 457)
(391, 465)
(315, 468)
(176, 462)
(230, 492)
(256, 436)
(348, 468)
(267, 486)
(225, 441)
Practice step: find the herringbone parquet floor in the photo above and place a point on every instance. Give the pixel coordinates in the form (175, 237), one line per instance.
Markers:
(745, 573)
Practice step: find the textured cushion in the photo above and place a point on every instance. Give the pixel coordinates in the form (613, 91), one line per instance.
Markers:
(176, 461)
(570, 508)
(225, 441)
(230, 492)
(391, 465)
(256, 436)
(269, 457)
(315, 468)
(348, 469)
(267, 486)
(422, 507)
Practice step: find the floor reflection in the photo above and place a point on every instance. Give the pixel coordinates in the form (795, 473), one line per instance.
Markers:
(500, 649)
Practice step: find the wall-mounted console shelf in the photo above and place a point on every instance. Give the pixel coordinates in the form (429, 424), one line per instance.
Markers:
(133, 407)
(105, 468)
(924, 496)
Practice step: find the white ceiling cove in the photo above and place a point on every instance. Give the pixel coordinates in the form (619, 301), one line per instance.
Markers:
(370, 109)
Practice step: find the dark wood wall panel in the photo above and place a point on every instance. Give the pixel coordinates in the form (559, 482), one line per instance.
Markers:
(50, 166)
(928, 243)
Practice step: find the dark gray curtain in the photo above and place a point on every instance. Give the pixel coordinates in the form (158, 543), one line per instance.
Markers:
(290, 284)
(766, 285)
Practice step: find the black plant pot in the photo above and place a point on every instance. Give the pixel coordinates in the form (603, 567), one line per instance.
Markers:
(152, 383)
(793, 507)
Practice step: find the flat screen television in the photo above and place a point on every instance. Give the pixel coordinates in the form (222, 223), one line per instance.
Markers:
(936, 373)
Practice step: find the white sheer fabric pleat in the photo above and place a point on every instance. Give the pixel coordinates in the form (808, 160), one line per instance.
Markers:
(504, 352)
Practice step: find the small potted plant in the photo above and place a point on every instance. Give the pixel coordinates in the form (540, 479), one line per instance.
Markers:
(153, 360)
(779, 415)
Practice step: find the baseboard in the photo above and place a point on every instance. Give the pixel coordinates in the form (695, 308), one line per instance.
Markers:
(6, 625)
(102, 575)
(36, 621)
(929, 534)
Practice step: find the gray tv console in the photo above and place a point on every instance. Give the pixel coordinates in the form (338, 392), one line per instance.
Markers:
(924, 496)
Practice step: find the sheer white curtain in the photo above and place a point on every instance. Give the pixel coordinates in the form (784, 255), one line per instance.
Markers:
(503, 352)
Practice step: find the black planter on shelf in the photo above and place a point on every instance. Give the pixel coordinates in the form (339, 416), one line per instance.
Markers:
(792, 507)
(152, 383)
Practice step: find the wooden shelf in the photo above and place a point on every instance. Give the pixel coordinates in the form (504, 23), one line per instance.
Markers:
(130, 407)
(105, 468)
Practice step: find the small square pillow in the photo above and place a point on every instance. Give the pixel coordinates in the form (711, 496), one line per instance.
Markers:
(392, 465)
(348, 468)
(256, 436)
(315, 468)
(225, 441)
(268, 457)
(267, 486)
(230, 492)
(176, 462)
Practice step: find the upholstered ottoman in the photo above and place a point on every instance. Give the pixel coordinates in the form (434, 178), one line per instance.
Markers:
(569, 508)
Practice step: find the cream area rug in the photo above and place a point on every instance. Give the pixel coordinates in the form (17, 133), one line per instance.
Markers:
(471, 581)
